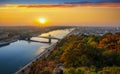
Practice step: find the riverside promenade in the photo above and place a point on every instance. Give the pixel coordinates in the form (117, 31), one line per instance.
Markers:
(47, 50)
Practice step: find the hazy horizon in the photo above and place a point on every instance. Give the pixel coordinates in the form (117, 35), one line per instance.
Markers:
(58, 13)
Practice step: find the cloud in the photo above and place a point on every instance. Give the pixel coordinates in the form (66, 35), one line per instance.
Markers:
(96, 4)
(66, 5)
(47, 5)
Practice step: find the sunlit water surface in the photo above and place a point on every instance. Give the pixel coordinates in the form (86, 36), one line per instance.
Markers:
(15, 55)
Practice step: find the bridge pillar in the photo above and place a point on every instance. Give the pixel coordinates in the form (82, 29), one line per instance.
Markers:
(49, 38)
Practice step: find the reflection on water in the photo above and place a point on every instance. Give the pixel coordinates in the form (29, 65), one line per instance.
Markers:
(57, 33)
(40, 50)
(39, 39)
(19, 53)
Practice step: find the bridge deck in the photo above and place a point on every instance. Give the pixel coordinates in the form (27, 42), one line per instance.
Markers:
(49, 41)
(38, 41)
(49, 37)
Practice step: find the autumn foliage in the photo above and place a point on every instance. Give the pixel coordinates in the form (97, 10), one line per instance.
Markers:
(96, 54)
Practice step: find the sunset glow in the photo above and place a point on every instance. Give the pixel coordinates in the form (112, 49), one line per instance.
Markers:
(59, 36)
(42, 20)
(64, 14)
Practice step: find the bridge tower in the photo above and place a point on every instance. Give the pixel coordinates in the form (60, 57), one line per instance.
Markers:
(49, 38)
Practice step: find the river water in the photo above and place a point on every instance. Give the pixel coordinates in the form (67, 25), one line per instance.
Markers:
(15, 55)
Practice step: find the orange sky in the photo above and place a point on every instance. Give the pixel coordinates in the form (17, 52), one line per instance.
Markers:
(84, 15)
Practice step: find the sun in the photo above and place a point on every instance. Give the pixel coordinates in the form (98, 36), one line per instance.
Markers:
(42, 20)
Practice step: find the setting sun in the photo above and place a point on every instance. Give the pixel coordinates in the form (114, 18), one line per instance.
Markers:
(42, 20)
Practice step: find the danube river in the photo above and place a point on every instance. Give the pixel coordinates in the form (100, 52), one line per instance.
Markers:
(17, 54)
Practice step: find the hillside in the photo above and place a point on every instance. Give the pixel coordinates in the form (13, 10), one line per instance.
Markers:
(82, 54)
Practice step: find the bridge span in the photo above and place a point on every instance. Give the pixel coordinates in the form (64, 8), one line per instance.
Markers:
(49, 37)
(46, 37)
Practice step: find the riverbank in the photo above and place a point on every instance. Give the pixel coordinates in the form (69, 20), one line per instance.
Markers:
(26, 67)
(45, 53)
(4, 43)
(82, 54)
(12, 34)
